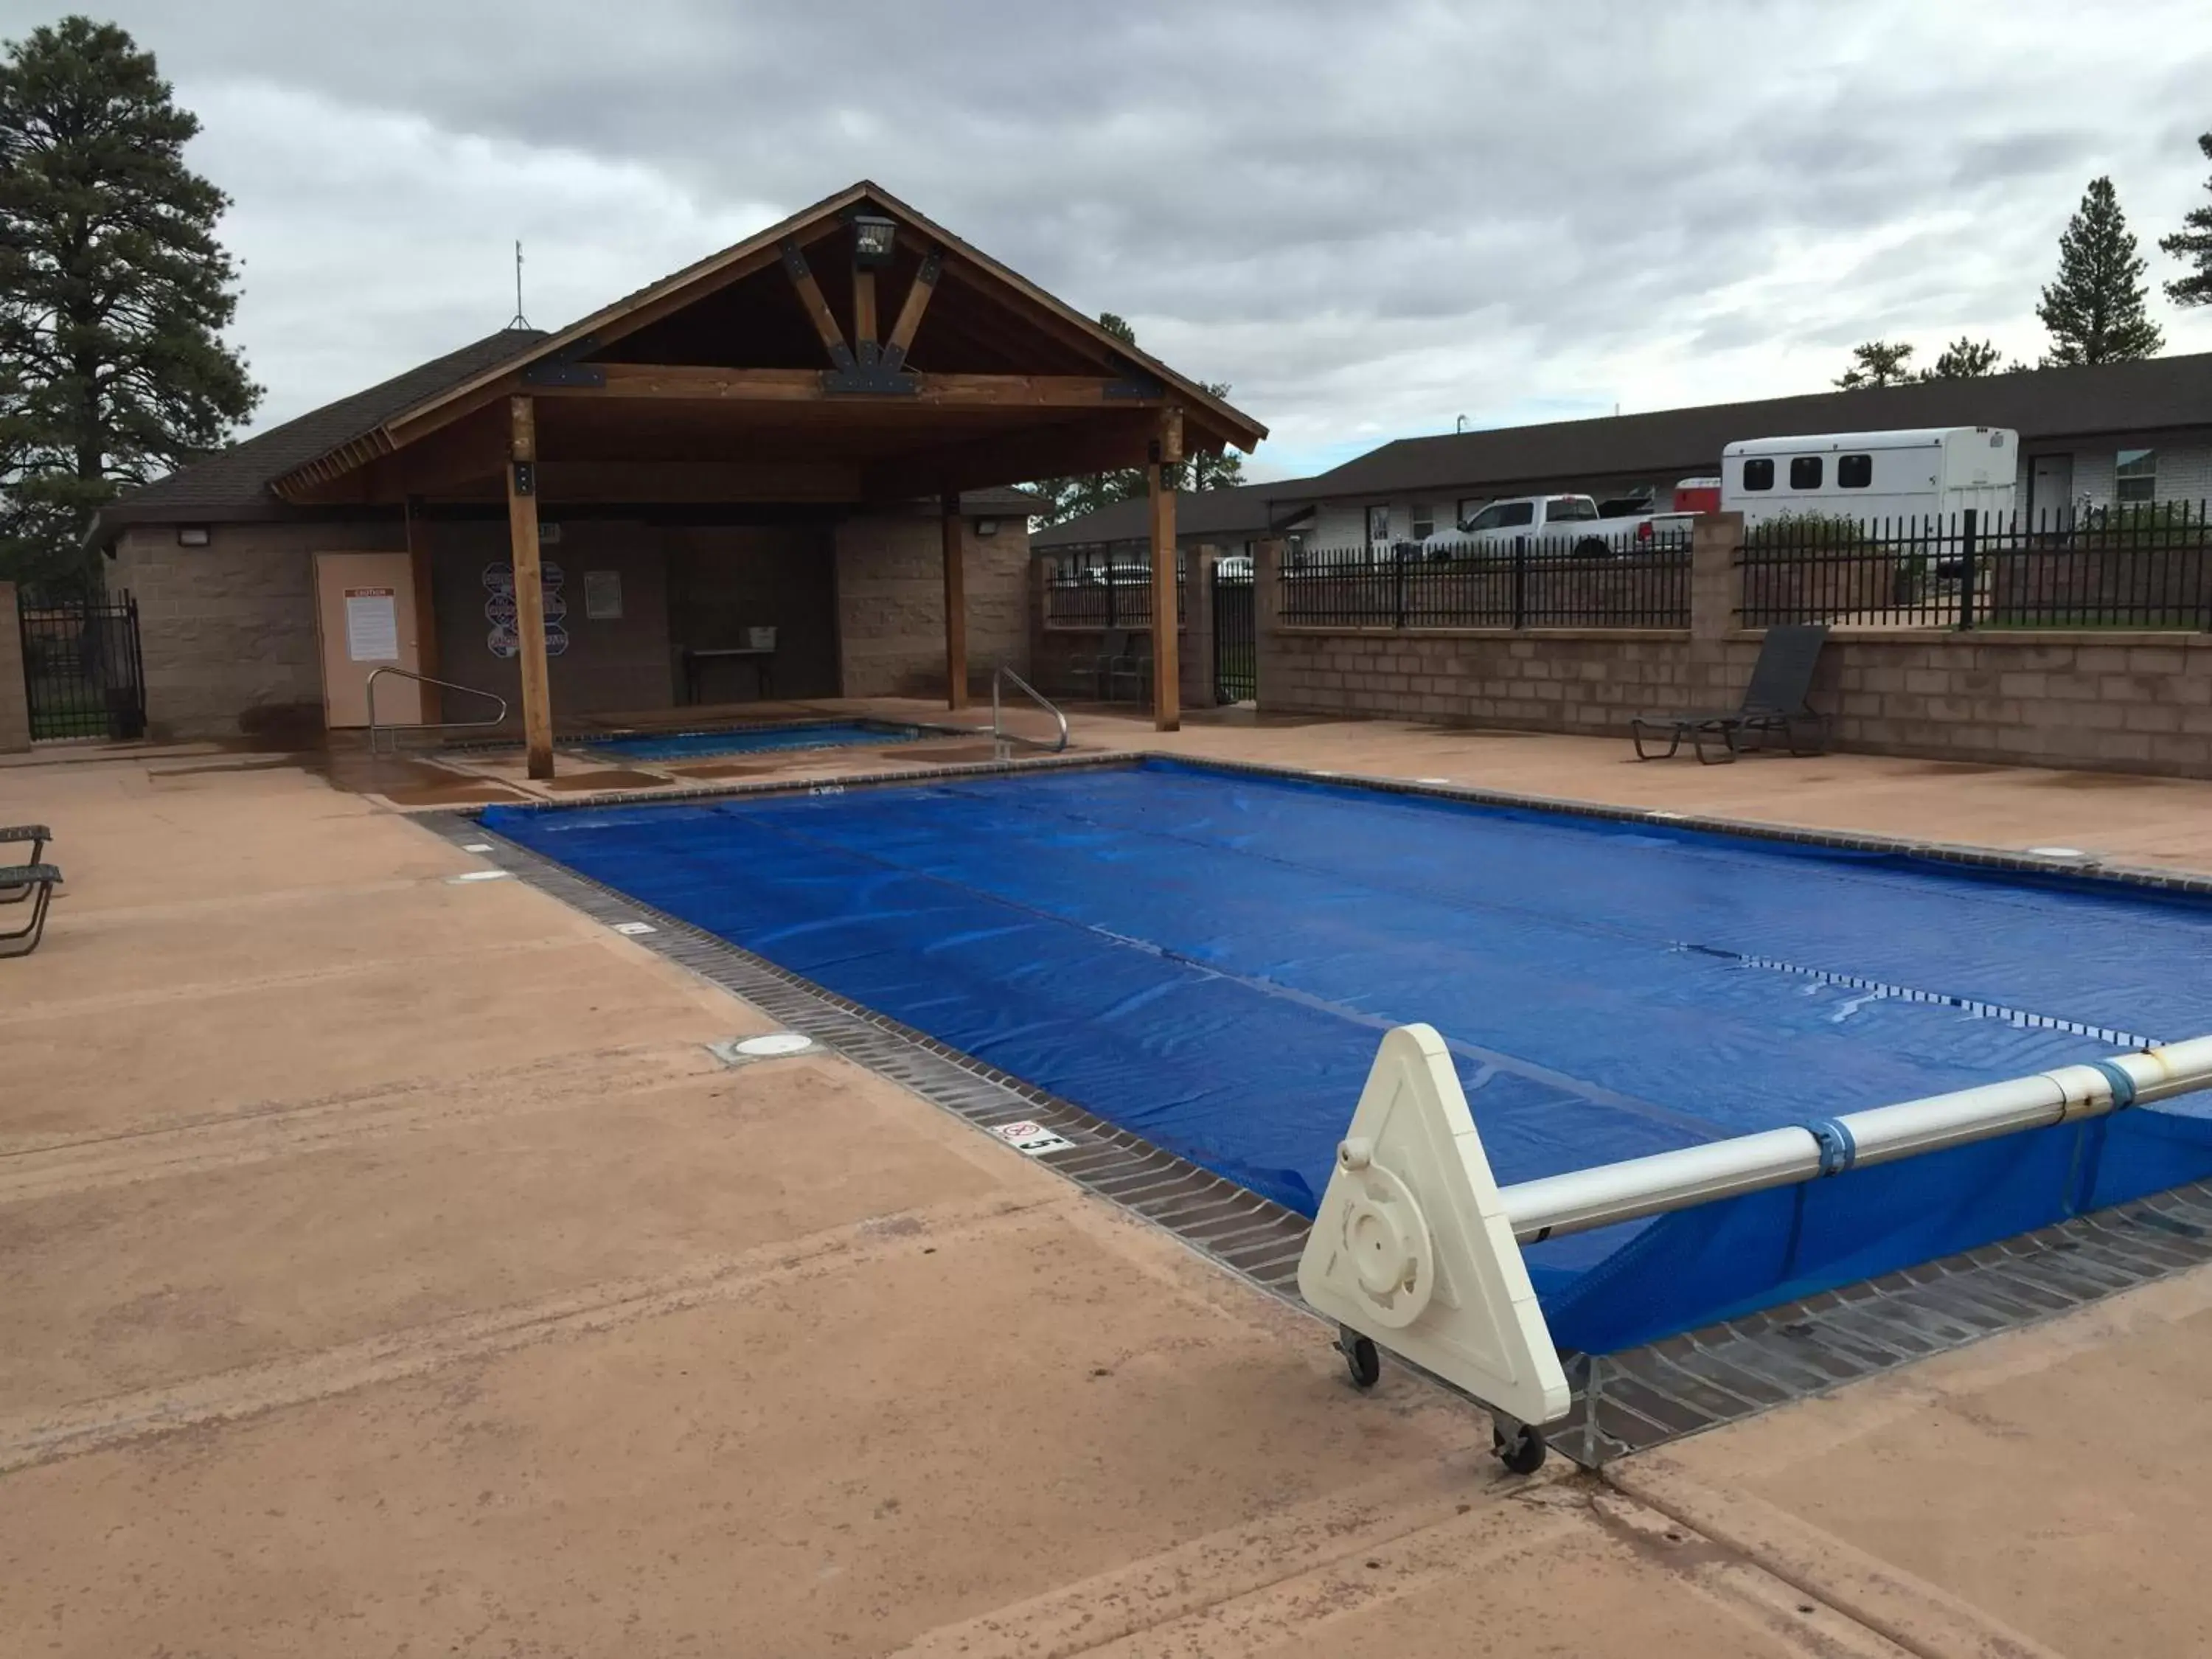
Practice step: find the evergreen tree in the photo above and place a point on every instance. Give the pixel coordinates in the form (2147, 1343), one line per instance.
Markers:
(114, 290)
(1966, 360)
(1071, 498)
(2193, 242)
(2094, 306)
(1876, 363)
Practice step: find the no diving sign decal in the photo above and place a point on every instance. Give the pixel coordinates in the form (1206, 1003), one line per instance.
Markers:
(1031, 1138)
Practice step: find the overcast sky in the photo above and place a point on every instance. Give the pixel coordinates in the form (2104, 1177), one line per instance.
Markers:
(1370, 218)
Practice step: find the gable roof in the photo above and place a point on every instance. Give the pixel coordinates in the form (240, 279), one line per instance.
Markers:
(236, 482)
(248, 480)
(1202, 407)
(2161, 394)
(1240, 510)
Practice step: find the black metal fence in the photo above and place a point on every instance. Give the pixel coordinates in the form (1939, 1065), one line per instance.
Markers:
(82, 672)
(1108, 592)
(1526, 583)
(2132, 566)
(1236, 636)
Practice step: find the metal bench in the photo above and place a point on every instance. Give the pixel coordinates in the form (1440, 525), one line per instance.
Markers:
(33, 882)
(37, 835)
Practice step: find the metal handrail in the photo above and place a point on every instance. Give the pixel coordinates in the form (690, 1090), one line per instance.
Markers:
(1005, 739)
(376, 674)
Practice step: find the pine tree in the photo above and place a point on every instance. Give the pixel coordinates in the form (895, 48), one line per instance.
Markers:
(1966, 360)
(1071, 498)
(114, 290)
(2094, 306)
(1876, 363)
(2193, 242)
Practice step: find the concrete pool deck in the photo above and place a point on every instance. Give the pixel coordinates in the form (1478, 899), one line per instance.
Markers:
(391, 1269)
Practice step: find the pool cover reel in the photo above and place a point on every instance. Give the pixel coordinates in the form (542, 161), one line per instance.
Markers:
(1416, 1248)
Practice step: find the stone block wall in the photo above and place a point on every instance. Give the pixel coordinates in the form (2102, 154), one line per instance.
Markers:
(890, 604)
(1062, 652)
(230, 639)
(228, 630)
(2094, 700)
(14, 700)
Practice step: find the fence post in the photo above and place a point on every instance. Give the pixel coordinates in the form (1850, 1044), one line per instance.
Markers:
(1198, 640)
(1966, 527)
(1111, 620)
(15, 691)
(1520, 582)
(1268, 562)
(1398, 587)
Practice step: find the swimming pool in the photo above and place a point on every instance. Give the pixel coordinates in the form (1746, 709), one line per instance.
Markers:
(752, 739)
(1208, 958)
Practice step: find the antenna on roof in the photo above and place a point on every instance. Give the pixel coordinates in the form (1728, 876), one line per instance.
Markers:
(519, 319)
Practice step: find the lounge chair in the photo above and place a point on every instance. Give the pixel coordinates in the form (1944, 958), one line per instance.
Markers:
(1115, 662)
(36, 835)
(1774, 701)
(35, 882)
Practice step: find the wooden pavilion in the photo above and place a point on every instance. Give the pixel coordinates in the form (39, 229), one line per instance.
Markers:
(857, 353)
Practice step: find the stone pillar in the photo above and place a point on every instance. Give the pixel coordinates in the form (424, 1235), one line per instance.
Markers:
(1198, 629)
(1267, 614)
(15, 697)
(1715, 598)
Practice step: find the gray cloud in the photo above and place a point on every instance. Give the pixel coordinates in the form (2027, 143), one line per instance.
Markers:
(1368, 218)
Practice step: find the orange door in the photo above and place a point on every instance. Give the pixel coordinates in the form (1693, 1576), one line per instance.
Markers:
(365, 615)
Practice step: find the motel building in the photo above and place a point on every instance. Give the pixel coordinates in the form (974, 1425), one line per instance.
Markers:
(785, 473)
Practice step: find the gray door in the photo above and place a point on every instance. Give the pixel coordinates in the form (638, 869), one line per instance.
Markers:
(2049, 486)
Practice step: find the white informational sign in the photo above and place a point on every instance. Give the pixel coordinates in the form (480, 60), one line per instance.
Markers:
(372, 616)
(603, 595)
(1031, 1138)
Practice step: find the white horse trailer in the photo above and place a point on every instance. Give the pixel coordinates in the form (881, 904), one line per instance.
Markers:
(1865, 476)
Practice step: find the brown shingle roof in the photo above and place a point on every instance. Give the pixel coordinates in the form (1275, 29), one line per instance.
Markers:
(1241, 511)
(234, 483)
(2041, 404)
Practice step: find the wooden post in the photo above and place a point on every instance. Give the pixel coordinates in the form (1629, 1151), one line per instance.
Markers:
(1167, 682)
(426, 608)
(956, 604)
(529, 595)
(864, 314)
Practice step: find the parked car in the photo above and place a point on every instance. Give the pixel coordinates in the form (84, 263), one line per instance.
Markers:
(1549, 519)
(1120, 573)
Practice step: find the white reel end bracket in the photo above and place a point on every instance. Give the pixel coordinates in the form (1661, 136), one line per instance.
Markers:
(1412, 1249)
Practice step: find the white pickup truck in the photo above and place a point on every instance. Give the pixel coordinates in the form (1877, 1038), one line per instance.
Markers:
(1548, 521)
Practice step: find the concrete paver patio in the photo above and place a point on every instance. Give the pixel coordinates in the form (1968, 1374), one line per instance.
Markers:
(391, 1269)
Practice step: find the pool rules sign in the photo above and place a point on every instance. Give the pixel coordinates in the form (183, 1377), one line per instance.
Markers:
(500, 610)
(372, 624)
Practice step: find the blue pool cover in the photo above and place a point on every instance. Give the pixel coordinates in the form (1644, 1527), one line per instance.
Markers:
(745, 740)
(1208, 958)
